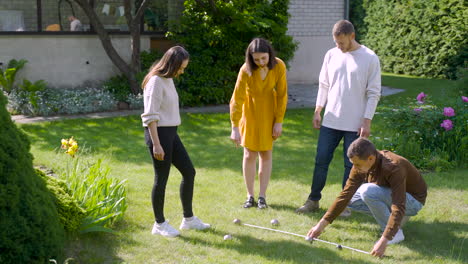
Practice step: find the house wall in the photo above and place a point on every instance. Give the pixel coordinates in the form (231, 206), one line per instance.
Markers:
(311, 24)
(65, 60)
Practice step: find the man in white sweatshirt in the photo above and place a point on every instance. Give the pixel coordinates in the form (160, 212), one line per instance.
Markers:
(349, 89)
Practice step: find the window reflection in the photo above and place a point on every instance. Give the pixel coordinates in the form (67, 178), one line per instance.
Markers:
(19, 15)
(56, 16)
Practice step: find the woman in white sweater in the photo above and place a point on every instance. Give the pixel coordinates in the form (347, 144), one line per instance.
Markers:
(161, 118)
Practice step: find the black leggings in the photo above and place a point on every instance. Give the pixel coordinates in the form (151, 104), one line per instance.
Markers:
(174, 153)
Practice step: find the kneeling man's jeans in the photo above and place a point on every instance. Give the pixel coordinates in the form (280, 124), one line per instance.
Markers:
(376, 201)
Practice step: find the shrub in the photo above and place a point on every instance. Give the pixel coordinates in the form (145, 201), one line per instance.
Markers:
(103, 198)
(30, 229)
(417, 37)
(70, 213)
(118, 85)
(51, 101)
(433, 137)
(217, 37)
(8, 77)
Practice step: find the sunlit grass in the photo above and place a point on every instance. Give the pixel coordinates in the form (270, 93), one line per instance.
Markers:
(436, 235)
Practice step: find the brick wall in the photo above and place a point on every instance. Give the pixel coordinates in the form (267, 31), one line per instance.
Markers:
(310, 18)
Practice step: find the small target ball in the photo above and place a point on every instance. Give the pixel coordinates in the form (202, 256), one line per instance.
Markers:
(227, 237)
(310, 239)
(274, 222)
(237, 221)
(339, 247)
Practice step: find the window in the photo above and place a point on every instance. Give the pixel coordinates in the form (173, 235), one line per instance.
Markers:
(18, 15)
(60, 15)
(66, 16)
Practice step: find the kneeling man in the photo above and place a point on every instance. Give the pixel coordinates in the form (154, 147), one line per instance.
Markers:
(383, 185)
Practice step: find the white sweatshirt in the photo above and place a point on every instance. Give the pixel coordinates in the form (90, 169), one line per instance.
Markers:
(350, 86)
(161, 102)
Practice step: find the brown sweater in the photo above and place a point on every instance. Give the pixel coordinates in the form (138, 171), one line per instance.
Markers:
(389, 170)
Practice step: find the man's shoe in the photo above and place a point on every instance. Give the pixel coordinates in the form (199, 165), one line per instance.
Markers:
(262, 203)
(250, 202)
(193, 223)
(397, 238)
(164, 229)
(308, 207)
(346, 212)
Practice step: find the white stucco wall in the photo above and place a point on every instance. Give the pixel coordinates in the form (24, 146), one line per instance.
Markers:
(65, 60)
(311, 24)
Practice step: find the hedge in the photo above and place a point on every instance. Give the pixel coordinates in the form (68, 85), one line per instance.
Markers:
(427, 38)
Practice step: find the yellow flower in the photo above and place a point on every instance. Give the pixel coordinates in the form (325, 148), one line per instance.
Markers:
(64, 143)
(70, 145)
(71, 152)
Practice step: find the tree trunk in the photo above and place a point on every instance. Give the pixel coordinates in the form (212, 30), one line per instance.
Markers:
(129, 70)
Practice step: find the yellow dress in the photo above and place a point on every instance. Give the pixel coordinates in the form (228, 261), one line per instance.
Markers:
(256, 105)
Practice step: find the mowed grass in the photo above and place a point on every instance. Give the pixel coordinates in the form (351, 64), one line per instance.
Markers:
(436, 235)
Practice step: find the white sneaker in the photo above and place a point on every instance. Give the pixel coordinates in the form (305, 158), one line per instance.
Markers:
(397, 238)
(164, 229)
(193, 223)
(346, 212)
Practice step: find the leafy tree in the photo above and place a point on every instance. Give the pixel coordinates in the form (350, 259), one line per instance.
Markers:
(216, 33)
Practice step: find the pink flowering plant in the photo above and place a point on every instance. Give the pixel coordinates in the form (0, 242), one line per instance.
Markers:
(432, 136)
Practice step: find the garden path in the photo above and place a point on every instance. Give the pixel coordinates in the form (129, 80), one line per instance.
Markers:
(300, 96)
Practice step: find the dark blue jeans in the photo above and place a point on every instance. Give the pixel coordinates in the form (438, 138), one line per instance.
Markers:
(328, 141)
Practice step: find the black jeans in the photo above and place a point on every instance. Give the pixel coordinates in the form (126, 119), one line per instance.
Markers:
(328, 141)
(174, 153)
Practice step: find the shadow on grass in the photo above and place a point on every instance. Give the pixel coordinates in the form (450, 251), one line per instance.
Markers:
(438, 240)
(278, 250)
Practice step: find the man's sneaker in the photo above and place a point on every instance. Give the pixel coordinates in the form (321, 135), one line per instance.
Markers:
(308, 207)
(346, 212)
(164, 229)
(262, 203)
(250, 202)
(193, 223)
(397, 238)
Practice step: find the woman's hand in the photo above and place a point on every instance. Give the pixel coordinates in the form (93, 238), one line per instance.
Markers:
(277, 130)
(158, 152)
(235, 136)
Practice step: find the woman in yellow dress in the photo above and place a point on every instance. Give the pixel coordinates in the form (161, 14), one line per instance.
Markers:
(258, 105)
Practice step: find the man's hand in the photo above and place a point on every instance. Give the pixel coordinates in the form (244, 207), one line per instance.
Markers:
(364, 130)
(379, 247)
(277, 130)
(315, 231)
(235, 136)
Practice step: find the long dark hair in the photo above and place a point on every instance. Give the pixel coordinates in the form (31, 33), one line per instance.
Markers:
(262, 46)
(168, 65)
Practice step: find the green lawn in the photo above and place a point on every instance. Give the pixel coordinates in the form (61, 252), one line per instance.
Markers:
(436, 235)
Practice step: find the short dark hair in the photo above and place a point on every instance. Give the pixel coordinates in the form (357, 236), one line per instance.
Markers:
(361, 148)
(343, 27)
(263, 46)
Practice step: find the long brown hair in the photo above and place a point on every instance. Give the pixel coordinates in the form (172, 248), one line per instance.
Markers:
(168, 65)
(263, 46)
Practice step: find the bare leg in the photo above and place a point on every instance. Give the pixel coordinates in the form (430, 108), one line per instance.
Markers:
(249, 169)
(264, 171)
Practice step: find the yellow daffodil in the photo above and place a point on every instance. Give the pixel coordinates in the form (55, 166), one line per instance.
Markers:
(71, 145)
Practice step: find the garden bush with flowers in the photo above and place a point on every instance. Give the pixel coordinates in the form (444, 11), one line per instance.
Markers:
(433, 137)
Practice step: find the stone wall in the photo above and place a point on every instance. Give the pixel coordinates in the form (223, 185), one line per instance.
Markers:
(311, 24)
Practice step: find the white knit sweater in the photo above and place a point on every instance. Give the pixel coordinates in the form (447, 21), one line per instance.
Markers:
(161, 102)
(350, 86)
